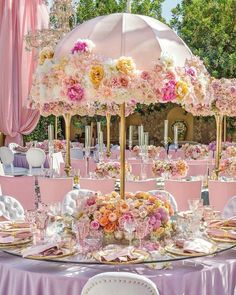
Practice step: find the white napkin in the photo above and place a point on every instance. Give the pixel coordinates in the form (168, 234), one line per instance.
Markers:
(34, 250)
(8, 239)
(198, 246)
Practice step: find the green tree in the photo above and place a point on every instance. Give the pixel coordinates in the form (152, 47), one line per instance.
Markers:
(87, 9)
(209, 29)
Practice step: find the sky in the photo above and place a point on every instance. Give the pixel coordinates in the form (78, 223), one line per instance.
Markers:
(167, 6)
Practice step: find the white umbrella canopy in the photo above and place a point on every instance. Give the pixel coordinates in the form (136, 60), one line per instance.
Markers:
(123, 34)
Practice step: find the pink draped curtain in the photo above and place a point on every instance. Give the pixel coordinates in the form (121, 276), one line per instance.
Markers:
(17, 17)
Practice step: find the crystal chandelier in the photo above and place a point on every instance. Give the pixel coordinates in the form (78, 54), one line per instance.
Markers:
(62, 20)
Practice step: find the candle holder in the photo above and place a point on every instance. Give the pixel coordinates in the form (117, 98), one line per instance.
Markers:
(108, 152)
(50, 153)
(67, 118)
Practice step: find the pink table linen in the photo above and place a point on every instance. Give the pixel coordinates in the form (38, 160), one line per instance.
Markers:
(206, 276)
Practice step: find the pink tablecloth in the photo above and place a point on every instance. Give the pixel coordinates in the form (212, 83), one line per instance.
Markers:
(206, 276)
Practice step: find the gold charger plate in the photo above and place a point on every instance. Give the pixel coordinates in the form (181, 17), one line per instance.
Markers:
(177, 251)
(66, 253)
(141, 256)
(226, 240)
(17, 243)
(13, 227)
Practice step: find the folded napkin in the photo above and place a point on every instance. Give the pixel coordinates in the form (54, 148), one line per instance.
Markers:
(221, 233)
(42, 250)
(223, 223)
(121, 255)
(198, 245)
(13, 225)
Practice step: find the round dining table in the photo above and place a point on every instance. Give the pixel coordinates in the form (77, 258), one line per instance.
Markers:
(208, 275)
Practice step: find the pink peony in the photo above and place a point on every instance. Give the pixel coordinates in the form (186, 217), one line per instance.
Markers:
(80, 46)
(91, 201)
(75, 92)
(168, 92)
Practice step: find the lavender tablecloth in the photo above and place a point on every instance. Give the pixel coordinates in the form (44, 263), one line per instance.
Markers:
(205, 276)
(20, 161)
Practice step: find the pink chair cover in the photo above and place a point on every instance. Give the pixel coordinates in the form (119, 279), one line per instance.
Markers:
(53, 190)
(137, 170)
(105, 186)
(220, 192)
(184, 191)
(21, 188)
(16, 19)
(81, 165)
(136, 186)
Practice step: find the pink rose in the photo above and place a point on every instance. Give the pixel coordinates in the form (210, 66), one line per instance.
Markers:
(94, 225)
(75, 92)
(80, 47)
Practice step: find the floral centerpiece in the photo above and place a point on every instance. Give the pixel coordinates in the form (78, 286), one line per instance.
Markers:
(110, 169)
(228, 167)
(178, 168)
(108, 214)
(230, 151)
(195, 152)
(153, 151)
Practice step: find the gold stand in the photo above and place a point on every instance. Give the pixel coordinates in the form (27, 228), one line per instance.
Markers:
(122, 150)
(219, 121)
(67, 118)
(108, 118)
(56, 125)
(225, 129)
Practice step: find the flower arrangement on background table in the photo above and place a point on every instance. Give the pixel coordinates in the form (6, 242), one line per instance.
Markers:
(228, 167)
(195, 152)
(153, 151)
(110, 170)
(230, 152)
(110, 215)
(170, 168)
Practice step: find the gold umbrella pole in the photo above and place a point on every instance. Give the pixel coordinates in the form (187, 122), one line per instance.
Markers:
(108, 118)
(122, 150)
(67, 118)
(219, 121)
(225, 129)
(56, 126)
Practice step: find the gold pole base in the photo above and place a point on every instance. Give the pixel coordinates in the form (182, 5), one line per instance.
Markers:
(108, 153)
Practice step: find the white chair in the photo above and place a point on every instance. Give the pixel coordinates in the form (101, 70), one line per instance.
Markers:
(7, 158)
(119, 283)
(166, 195)
(10, 208)
(71, 199)
(230, 208)
(35, 158)
(2, 173)
(57, 159)
(76, 153)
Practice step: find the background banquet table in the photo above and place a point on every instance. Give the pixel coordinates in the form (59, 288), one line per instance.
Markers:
(20, 161)
(202, 276)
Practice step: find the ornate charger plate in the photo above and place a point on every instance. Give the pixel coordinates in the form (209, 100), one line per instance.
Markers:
(140, 256)
(16, 243)
(11, 227)
(66, 252)
(217, 239)
(177, 251)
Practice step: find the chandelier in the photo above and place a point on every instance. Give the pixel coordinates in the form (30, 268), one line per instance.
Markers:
(62, 20)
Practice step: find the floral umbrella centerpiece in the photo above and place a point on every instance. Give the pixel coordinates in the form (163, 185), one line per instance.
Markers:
(80, 75)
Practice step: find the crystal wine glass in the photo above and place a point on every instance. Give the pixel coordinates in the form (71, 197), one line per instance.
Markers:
(129, 227)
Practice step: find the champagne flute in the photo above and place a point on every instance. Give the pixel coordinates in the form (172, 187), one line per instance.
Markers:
(129, 226)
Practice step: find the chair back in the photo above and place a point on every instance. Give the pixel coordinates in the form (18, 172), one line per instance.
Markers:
(220, 193)
(76, 153)
(123, 283)
(140, 186)
(105, 186)
(230, 208)
(57, 159)
(2, 173)
(167, 196)
(6, 155)
(184, 191)
(21, 188)
(142, 171)
(12, 146)
(10, 208)
(73, 198)
(53, 190)
(35, 158)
